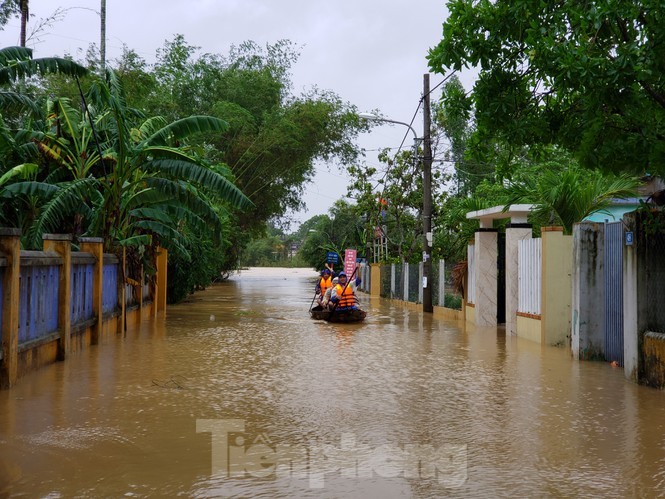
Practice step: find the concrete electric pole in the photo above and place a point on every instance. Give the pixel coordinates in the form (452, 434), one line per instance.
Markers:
(427, 200)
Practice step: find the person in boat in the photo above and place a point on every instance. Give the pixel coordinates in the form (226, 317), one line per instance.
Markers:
(325, 283)
(325, 302)
(342, 295)
(331, 269)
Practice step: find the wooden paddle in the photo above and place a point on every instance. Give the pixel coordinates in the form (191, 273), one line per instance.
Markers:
(310, 305)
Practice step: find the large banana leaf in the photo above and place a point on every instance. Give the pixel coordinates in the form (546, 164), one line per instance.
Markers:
(10, 99)
(17, 62)
(24, 171)
(67, 200)
(186, 127)
(185, 196)
(204, 177)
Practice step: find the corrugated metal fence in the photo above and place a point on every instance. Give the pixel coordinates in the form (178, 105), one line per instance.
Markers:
(529, 256)
(613, 269)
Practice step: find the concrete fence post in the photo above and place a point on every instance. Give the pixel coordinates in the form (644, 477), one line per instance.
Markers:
(405, 276)
(442, 283)
(122, 274)
(375, 280)
(62, 245)
(10, 247)
(95, 246)
(631, 313)
(485, 258)
(162, 269)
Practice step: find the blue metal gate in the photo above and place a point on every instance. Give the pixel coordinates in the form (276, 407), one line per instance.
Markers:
(613, 265)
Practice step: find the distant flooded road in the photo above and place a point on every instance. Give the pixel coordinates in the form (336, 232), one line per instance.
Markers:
(239, 393)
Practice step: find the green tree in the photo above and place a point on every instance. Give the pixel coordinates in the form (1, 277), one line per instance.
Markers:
(19, 114)
(17, 63)
(9, 9)
(453, 117)
(274, 138)
(566, 196)
(342, 229)
(587, 76)
(132, 185)
(392, 201)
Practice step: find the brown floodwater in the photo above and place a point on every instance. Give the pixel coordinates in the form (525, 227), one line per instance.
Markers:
(239, 393)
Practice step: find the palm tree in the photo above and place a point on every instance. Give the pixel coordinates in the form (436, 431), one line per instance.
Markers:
(570, 195)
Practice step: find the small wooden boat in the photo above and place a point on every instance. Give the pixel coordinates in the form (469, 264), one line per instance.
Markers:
(348, 315)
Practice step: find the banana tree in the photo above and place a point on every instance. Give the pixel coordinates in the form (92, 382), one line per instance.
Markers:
(17, 141)
(127, 184)
(17, 63)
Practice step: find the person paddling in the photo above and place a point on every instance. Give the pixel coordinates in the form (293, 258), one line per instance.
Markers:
(344, 296)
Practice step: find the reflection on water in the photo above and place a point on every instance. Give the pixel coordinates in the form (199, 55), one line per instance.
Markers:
(352, 404)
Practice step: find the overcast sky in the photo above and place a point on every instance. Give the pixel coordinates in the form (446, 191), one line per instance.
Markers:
(372, 53)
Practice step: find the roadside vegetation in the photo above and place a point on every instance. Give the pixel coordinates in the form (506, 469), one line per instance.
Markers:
(209, 154)
(195, 153)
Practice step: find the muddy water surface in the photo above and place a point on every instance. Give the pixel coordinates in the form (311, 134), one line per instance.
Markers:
(205, 402)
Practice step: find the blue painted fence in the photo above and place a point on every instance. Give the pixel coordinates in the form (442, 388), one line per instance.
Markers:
(109, 287)
(39, 285)
(81, 292)
(38, 306)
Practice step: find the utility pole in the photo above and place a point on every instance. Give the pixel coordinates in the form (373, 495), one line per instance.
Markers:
(427, 200)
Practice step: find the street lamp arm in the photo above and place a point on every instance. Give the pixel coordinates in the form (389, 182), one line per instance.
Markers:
(374, 117)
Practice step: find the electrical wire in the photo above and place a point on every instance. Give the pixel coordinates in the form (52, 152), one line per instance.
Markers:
(406, 134)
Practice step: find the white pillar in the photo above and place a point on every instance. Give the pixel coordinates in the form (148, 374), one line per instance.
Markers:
(442, 283)
(486, 254)
(514, 234)
(405, 289)
(630, 326)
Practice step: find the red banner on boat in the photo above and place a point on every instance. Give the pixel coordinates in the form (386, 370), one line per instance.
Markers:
(349, 261)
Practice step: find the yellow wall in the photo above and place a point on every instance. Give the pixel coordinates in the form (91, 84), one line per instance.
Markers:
(448, 313)
(529, 328)
(470, 314)
(557, 286)
(375, 280)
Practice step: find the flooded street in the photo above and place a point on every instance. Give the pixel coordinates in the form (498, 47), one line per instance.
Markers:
(205, 402)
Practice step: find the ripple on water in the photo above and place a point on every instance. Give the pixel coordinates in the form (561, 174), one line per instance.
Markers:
(79, 437)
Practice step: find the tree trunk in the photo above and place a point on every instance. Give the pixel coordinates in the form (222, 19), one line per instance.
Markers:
(24, 20)
(102, 44)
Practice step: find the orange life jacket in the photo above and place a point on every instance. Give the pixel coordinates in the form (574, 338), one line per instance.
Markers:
(346, 297)
(324, 284)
